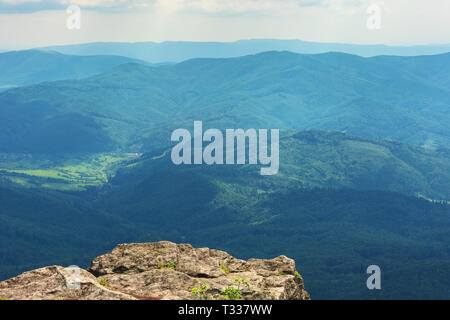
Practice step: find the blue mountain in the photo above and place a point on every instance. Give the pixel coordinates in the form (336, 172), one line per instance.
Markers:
(177, 51)
(18, 68)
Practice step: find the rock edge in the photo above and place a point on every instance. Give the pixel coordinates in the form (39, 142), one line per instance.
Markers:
(161, 271)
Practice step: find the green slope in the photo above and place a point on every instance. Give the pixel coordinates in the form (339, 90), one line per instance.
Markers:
(135, 108)
(333, 234)
(314, 159)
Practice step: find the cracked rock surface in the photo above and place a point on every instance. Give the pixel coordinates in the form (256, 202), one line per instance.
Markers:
(161, 270)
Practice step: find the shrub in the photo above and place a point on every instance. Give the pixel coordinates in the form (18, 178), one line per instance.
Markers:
(231, 293)
(201, 291)
(103, 282)
(224, 268)
(171, 265)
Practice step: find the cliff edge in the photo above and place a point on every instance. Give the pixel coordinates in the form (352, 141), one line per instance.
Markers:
(162, 270)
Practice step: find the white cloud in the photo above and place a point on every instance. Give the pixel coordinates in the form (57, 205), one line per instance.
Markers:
(13, 2)
(239, 6)
(207, 6)
(403, 21)
(99, 4)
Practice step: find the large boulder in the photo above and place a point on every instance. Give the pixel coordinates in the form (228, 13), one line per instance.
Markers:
(167, 270)
(58, 283)
(162, 270)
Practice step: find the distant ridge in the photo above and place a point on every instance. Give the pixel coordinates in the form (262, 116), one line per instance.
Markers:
(176, 51)
(395, 98)
(18, 68)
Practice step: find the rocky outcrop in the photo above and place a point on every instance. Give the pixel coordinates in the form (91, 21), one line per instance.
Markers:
(162, 270)
(57, 283)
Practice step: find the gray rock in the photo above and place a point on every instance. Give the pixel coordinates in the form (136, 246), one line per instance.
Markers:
(57, 283)
(163, 270)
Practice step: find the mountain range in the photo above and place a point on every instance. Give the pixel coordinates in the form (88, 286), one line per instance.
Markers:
(177, 51)
(364, 160)
(134, 107)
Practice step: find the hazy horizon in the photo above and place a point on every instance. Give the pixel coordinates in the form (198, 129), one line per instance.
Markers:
(6, 48)
(26, 24)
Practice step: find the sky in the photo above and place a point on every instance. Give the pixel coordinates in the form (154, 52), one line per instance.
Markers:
(34, 23)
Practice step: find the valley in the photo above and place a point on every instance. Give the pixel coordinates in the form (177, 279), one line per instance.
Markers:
(64, 172)
(364, 164)
(320, 209)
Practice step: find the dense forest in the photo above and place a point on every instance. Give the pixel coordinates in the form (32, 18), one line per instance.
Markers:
(333, 234)
(364, 173)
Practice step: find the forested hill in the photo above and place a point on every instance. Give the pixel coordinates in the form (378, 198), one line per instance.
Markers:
(363, 178)
(135, 107)
(318, 159)
(333, 234)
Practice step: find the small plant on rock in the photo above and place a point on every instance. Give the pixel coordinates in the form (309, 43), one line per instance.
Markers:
(171, 265)
(224, 268)
(242, 281)
(233, 292)
(200, 292)
(103, 282)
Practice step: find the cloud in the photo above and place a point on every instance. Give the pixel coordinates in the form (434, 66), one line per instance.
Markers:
(102, 4)
(206, 6)
(15, 2)
(236, 6)
(29, 6)
(403, 21)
